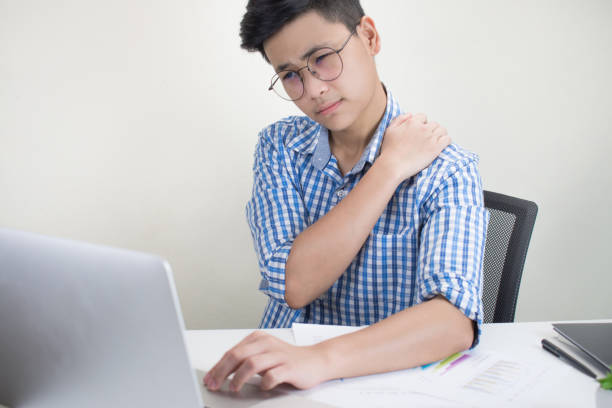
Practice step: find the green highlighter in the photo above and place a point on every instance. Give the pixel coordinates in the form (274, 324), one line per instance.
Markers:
(606, 382)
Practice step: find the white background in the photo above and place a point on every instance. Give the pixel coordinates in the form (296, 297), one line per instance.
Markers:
(133, 124)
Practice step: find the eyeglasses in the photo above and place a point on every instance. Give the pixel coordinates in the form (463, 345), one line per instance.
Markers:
(324, 64)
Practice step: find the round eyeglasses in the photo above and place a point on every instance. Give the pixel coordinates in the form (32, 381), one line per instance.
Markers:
(324, 64)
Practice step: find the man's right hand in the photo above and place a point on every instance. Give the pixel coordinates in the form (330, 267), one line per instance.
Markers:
(410, 144)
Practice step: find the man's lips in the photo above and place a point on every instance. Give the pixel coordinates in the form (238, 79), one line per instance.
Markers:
(328, 108)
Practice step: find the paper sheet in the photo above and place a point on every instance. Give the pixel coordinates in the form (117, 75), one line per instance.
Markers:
(473, 378)
(307, 334)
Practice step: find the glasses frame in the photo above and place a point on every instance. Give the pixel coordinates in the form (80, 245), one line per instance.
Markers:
(276, 76)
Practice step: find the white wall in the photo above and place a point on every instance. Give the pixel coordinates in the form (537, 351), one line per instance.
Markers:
(133, 124)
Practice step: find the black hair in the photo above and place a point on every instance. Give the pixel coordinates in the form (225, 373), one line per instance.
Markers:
(264, 18)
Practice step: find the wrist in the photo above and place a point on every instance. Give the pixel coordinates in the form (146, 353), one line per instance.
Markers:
(388, 169)
(338, 357)
(331, 360)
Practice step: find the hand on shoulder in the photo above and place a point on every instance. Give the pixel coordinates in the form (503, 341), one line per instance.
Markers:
(411, 143)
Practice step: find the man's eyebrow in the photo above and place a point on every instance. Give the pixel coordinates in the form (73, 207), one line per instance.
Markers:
(307, 54)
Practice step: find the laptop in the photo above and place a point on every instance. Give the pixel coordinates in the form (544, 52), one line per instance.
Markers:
(594, 339)
(84, 325)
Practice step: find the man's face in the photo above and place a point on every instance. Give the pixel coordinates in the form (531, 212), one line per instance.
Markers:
(335, 104)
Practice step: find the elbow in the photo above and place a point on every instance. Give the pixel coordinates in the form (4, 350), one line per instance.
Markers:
(293, 303)
(465, 333)
(460, 329)
(294, 297)
(466, 339)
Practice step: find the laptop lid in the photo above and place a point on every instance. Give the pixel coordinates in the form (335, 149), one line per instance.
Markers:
(89, 326)
(595, 339)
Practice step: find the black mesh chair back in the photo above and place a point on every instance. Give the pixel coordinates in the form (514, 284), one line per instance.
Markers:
(510, 225)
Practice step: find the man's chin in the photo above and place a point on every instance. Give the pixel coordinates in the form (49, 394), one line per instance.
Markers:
(334, 123)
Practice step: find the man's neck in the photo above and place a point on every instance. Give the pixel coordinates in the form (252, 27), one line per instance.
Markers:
(353, 140)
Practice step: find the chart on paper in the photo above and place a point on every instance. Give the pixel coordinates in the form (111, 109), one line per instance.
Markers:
(501, 375)
(480, 377)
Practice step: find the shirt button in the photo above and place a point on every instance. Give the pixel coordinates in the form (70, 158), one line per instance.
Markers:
(341, 193)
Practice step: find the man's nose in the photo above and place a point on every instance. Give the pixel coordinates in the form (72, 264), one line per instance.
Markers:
(313, 86)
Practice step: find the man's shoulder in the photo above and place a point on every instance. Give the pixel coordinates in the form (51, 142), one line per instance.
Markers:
(453, 162)
(455, 156)
(292, 132)
(452, 159)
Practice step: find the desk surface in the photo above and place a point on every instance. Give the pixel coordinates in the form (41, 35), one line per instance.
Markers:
(569, 387)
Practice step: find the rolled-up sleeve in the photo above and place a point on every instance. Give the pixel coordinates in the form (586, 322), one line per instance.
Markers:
(453, 240)
(275, 213)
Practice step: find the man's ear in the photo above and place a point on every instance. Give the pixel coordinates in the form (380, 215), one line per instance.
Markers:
(369, 35)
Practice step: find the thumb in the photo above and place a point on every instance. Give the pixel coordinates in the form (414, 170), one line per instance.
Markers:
(398, 120)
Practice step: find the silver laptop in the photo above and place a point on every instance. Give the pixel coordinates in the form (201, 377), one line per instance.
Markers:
(83, 325)
(89, 326)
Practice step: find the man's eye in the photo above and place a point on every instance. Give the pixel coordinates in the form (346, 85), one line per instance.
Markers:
(288, 76)
(320, 58)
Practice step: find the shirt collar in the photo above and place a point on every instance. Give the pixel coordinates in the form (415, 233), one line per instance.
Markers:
(322, 151)
(307, 134)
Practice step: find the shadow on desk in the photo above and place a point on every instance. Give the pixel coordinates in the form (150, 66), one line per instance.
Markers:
(252, 396)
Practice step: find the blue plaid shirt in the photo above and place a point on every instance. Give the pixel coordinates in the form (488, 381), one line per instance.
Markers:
(428, 241)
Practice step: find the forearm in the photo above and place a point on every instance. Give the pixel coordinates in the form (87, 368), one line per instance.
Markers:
(418, 335)
(322, 252)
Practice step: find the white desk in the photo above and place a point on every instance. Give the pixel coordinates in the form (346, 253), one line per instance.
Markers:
(575, 390)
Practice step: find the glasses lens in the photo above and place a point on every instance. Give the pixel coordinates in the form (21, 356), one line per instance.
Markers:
(325, 64)
(288, 85)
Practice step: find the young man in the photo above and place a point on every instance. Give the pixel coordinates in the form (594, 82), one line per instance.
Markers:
(360, 215)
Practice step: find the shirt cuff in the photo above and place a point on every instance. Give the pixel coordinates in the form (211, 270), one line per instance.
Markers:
(273, 274)
(463, 295)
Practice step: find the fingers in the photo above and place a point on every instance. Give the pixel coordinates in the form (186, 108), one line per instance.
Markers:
(398, 120)
(253, 365)
(445, 141)
(409, 119)
(277, 361)
(420, 117)
(274, 377)
(439, 131)
(441, 136)
(403, 118)
(255, 343)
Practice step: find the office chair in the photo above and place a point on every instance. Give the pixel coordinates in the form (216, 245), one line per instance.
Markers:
(510, 225)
